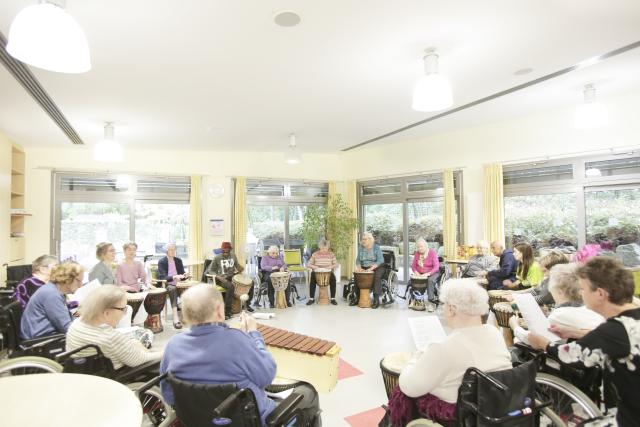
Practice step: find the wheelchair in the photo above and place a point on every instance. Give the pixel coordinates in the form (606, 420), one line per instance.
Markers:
(389, 282)
(223, 404)
(261, 290)
(411, 295)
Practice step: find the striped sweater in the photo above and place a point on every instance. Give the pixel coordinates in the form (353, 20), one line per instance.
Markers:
(121, 349)
(321, 259)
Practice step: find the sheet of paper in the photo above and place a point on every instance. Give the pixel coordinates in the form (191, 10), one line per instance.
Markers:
(264, 316)
(84, 290)
(281, 395)
(537, 322)
(425, 330)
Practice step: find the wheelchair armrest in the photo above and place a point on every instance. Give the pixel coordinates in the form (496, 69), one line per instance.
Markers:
(149, 384)
(41, 341)
(284, 410)
(497, 384)
(62, 357)
(223, 408)
(124, 374)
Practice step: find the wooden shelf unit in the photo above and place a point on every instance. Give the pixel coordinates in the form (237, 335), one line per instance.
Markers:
(17, 243)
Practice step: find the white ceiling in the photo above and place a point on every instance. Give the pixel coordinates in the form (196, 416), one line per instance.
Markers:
(220, 75)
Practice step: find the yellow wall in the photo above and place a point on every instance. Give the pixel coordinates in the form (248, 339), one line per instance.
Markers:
(216, 167)
(5, 203)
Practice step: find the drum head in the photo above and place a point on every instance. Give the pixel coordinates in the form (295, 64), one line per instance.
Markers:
(503, 306)
(242, 279)
(157, 291)
(323, 270)
(280, 274)
(395, 362)
(137, 296)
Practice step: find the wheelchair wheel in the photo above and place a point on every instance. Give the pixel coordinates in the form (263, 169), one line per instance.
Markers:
(155, 412)
(570, 404)
(26, 365)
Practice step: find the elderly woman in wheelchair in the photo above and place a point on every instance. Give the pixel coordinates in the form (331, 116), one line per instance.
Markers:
(429, 384)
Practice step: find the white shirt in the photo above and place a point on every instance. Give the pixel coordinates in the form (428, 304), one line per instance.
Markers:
(440, 367)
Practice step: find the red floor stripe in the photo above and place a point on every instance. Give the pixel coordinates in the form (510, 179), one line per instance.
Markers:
(369, 418)
(346, 370)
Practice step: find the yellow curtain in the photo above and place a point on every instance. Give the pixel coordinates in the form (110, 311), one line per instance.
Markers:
(449, 216)
(240, 219)
(195, 223)
(493, 218)
(333, 190)
(351, 198)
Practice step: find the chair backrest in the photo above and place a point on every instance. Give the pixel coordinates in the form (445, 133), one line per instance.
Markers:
(10, 317)
(389, 259)
(292, 257)
(195, 404)
(207, 263)
(15, 274)
(484, 398)
(95, 364)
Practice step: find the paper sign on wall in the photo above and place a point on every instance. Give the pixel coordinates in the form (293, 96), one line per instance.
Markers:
(216, 227)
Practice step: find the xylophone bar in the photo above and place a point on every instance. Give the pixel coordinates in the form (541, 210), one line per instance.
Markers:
(282, 338)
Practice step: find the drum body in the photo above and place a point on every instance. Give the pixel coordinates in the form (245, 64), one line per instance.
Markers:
(135, 301)
(323, 278)
(418, 289)
(154, 304)
(280, 282)
(503, 312)
(241, 286)
(496, 296)
(391, 366)
(364, 282)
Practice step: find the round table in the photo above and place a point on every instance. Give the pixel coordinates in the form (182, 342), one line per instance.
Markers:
(67, 399)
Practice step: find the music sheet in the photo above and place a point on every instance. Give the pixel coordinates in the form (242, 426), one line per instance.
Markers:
(426, 330)
(537, 322)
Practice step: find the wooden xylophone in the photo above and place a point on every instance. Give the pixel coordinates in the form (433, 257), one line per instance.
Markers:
(304, 358)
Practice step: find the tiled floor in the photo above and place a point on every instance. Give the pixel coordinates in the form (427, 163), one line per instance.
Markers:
(365, 336)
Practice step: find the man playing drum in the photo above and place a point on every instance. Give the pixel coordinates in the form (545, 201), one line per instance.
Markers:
(224, 266)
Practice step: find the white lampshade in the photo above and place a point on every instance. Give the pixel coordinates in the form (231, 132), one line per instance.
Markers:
(292, 155)
(46, 36)
(108, 150)
(592, 172)
(433, 91)
(591, 114)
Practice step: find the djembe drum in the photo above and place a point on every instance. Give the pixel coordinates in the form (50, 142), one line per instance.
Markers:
(184, 285)
(241, 286)
(323, 278)
(280, 282)
(154, 304)
(503, 312)
(418, 288)
(135, 301)
(364, 282)
(391, 365)
(496, 296)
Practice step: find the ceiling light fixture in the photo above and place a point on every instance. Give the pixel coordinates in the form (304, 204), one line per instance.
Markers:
(433, 91)
(592, 172)
(292, 156)
(108, 150)
(46, 36)
(591, 114)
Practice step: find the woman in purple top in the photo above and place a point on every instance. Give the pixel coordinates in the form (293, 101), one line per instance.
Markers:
(41, 269)
(271, 263)
(130, 273)
(425, 264)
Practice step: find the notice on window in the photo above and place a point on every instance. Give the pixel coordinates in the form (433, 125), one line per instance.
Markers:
(426, 330)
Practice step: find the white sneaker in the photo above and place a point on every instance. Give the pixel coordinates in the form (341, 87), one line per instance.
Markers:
(431, 307)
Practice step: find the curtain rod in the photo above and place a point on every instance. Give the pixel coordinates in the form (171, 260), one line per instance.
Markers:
(630, 149)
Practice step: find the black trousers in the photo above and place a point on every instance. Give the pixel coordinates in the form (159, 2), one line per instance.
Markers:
(271, 292)
(313, 283)
(378, 273)
(173, 295)
(227, 284)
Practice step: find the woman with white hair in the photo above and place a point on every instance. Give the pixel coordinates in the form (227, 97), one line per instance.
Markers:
(431, 379)
(370, 258)
(272, 263)
(100, 313)
(425, 264)
(322, 258)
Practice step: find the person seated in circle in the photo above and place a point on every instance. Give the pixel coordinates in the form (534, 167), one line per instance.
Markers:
(528, 273)
(171, 269)
(506, 267)
(224, 266)
(100, 313)
(607, 288)
(212, 353)
(47, 312)
(322, 258)
(370, 258)
(103, 270)
(130, 273)
(569, 310)
(430, 381)
(41, 270)
(541, 293)
(425, 264)
(481, 263)
(272, 263)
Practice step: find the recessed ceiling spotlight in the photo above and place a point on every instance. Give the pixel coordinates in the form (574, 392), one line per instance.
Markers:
(522, 71)
(287, 19)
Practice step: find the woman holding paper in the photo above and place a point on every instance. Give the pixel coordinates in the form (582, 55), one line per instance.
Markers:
(607, 288)
(431, 379)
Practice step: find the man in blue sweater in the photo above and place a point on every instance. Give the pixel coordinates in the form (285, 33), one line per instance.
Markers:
(211, 352)
(507, 267)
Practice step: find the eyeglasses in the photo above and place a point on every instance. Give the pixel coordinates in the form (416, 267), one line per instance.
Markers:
(122, 309)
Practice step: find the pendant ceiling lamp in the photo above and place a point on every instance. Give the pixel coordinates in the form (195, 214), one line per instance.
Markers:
(108, 150)
(46, 36)
(591, 114)
(433, 91)
(292, 156)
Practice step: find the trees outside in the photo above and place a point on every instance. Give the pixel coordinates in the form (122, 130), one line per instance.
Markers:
(613, 217)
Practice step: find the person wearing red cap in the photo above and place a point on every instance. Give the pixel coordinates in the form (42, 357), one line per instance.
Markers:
(224, 266)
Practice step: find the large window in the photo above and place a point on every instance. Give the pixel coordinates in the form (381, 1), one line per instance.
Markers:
(89, 209)
(399, 211)
(572, 202)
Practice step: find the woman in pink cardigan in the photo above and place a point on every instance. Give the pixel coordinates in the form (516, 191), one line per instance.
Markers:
(425, 264)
